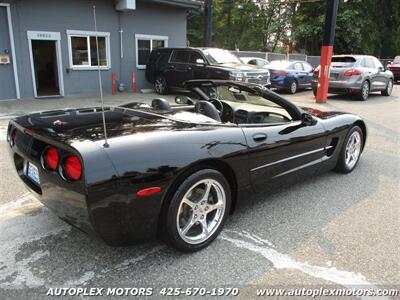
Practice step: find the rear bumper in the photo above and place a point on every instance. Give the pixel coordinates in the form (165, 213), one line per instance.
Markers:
(108, 209)
(280, 83)
(340, 87)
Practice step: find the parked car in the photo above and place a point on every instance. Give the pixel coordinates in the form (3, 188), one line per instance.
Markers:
(257, 61)
(394, 66)
(290, 75)
(170, 67)
(176, 171)
(357, 74)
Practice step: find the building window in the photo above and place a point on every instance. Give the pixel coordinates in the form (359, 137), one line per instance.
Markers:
(83, 50)
(145, 44)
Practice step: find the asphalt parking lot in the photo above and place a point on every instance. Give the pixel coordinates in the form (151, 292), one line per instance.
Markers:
(333, 230)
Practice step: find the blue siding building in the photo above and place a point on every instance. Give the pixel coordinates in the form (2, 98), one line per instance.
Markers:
(48, 47)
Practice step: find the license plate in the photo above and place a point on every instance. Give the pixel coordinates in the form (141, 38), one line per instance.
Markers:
(334, 75)
(33, 173)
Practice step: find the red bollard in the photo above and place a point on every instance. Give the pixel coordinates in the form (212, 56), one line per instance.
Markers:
(113, 83)
(134, 82)
(323, 78)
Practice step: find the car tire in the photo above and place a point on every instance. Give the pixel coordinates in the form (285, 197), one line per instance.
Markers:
(293, 87)
(192, 222)
(161, 85)
(352, 146)
(364, 92)
(389, 88)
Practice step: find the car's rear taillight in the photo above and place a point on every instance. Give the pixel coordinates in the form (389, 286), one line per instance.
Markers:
(13, 136)
(316, 71)
(352, 72)
(72, 168)
(283, 73)
(51, 158)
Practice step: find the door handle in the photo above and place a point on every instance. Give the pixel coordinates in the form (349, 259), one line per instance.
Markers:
(189, 68)
(258, 137)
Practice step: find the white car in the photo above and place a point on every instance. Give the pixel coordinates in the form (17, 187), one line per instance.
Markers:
(257, 61)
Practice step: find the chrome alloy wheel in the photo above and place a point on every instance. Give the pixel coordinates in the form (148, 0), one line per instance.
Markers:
(353, 149)
(365, 90)
(293, 87)
(201, 211)
(390, 87)
(159, 85)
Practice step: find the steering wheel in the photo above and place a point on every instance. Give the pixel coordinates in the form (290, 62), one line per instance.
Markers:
(218, 105)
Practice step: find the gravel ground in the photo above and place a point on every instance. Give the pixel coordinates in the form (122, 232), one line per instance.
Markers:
(332, 230)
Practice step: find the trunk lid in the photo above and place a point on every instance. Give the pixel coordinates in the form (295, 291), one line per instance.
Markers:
(74, 125)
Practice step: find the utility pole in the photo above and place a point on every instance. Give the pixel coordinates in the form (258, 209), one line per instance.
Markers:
(207, 23)
(327, 50)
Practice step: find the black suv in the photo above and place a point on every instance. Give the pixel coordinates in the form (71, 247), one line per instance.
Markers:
(171, 67)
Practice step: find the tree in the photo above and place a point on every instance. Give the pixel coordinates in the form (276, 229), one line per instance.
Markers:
(363, 26)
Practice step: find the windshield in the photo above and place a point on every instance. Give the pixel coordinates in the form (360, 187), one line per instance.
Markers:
(279, 64)
(219, 56)
(234, 94)
(396, 60)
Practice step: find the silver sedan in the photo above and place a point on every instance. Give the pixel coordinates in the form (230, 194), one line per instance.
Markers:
(357, 74)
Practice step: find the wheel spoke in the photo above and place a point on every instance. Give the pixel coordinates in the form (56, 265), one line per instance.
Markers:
(204, 226)
(189, 202)
(215, 206)
(207, 191)
(188, 225)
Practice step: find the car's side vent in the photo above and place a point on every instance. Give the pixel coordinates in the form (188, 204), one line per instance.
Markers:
(330, 149)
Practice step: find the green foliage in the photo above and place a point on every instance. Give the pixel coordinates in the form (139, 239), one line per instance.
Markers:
(363, 26)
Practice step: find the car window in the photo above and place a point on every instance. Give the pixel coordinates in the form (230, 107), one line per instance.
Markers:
(261, 62)
(307, 67)
(252, 62)
(378, 64)
(195, 56)
(368, 63)
(298, 67)
(164, 57)
(180, 56)
(343, 61)
(249, 102)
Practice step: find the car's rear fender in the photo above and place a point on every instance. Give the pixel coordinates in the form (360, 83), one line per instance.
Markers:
(156, 159)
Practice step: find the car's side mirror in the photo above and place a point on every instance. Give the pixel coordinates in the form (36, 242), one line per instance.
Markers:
(183, 100)
(200, 61)
(307, 119)
(382, 69)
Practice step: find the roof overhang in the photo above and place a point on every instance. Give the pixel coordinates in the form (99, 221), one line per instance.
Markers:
(188, 4)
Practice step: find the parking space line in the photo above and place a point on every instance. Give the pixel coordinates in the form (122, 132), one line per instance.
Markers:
(283, 261)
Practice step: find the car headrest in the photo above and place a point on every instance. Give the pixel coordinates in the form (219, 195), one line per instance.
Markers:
(207, 109)
(160, 104)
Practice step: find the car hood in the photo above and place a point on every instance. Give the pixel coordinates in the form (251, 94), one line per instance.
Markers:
(393, 66)
(240, 67)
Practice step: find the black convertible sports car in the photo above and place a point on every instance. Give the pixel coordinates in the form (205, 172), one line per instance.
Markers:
(176, 171)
